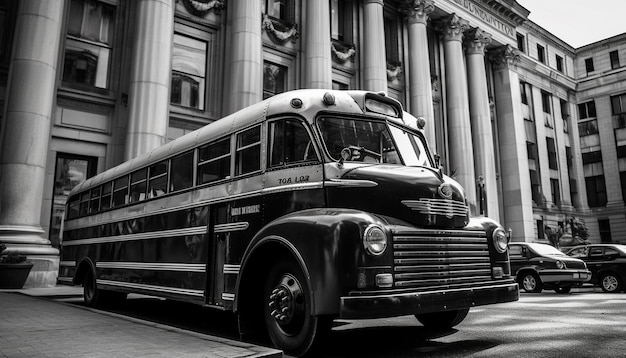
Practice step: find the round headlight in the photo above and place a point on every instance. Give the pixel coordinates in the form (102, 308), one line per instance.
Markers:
(560, 264)
(500, 240)
(374, 240)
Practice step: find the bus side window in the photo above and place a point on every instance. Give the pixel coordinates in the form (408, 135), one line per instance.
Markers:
(157, 183)
(248, 151)
(120, 191)
(105, 203)
(289, 142)
(182, 172)
(214, 161)
(138, 185)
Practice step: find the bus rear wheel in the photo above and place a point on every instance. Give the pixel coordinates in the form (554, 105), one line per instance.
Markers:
(442, 320)
(95, 297)
(287, 311)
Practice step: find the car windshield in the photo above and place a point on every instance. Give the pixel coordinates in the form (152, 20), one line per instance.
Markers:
(543, 249)
(371, 141)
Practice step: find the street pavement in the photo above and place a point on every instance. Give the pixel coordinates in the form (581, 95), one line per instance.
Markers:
(31, 325)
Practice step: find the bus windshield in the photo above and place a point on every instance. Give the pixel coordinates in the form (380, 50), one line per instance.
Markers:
(371, 141)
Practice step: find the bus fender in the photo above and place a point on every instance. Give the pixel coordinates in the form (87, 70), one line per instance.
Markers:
(84, 265)
(326, 243)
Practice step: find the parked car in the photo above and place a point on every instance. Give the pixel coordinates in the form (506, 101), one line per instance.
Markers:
(536, 266)
(607, 263)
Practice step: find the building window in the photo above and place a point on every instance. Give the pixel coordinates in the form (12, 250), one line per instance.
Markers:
(552, 157)
(596, 191)
(531, 150)
(604, 225)
(521, 42)
(589, 65)
(391, 41)
(523, 86)
(89, 43)
(545, 102)
(188, 86)
(618, 104)
(274, 79)
(592, 157)
(70, 170)
(559, 63)
(280, 9)
(614, 55)
(565, 115)
(588, 128)
(587, 110)
(535, 184)
(556, 192)
(622, 180)
(541, 54)
(341, 20)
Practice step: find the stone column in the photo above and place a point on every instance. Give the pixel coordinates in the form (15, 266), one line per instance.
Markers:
(245, 76)
(420, 88)
(317, 61)
(480, 118)
(516, 190)
(149, 95)
(26, 135)
(374, 56)
(461, 161)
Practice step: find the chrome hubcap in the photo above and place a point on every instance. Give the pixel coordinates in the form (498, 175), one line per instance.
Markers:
(286, 301)
(609, 283)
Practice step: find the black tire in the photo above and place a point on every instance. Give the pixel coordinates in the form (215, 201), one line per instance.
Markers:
(287, 309)
(563, 289)
(530, 282)
(91, 293)
(95, 297)
(442, 320)
(610, 283)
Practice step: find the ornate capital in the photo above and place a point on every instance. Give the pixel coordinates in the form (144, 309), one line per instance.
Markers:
(476, 40)
(417, 11)
(504, 57)
(452, 27)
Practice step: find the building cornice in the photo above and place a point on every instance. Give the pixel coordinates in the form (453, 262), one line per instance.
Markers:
(548, 37)
(508, 9)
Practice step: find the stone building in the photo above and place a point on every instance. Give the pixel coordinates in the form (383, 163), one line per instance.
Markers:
(533, 128)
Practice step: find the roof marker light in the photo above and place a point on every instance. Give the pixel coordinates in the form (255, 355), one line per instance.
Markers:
(328, 99)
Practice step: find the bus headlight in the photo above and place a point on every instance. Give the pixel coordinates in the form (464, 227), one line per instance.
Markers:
(374, 240)
(500, 240)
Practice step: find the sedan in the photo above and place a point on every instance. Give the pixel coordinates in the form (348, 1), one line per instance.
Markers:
(536, 266)
(607, 263)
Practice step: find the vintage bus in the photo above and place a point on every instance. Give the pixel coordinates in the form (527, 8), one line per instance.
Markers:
(309, 206)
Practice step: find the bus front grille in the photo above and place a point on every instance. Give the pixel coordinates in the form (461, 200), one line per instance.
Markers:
(440, 259)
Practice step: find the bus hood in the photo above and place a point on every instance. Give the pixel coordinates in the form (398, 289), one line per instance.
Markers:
(418, 195)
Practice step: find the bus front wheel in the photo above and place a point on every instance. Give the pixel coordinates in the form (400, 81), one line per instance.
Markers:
(287, 312)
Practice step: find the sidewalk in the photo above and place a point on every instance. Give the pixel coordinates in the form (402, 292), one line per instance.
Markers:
(33, 326)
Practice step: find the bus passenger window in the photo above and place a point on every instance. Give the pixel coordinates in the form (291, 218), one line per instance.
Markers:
(214, 161)
(105, 202)
(289, 142)
(120, 191)
(94, 204)
(84, 203)
(248, 151)
(138, 185)
(182, 172)
(157, 185)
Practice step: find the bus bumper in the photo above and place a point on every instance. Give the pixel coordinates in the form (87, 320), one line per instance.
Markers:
(408, 303)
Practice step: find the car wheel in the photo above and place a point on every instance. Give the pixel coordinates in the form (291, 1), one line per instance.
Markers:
(530, 282)
(610, 283)
(562, 289)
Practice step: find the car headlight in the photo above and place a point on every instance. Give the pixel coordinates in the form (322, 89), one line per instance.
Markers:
(500, 240)
(374, 240)
(560, 264)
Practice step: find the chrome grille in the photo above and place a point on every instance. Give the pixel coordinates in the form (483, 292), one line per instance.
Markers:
(441, 258)
(446, 207)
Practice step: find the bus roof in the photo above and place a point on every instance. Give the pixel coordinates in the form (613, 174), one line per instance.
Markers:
(311, 102)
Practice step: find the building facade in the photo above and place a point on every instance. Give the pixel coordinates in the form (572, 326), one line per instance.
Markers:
(521, 119)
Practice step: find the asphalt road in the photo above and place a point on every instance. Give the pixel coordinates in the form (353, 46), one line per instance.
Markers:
(584, 323)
